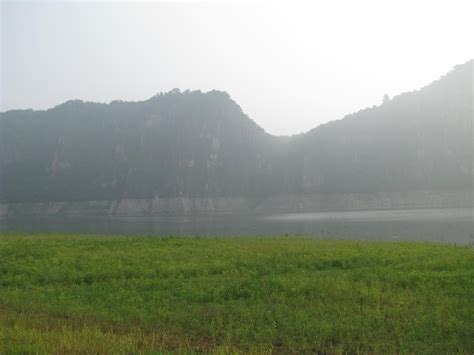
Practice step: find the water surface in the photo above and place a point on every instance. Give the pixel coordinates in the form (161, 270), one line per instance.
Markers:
(454, 225)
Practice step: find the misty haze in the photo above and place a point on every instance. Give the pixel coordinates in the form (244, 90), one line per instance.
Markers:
(236, 177)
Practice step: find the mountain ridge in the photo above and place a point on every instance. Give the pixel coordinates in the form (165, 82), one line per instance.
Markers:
(225, 93)
(197, 145)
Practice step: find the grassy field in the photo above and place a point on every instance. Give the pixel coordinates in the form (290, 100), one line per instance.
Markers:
(82, 294)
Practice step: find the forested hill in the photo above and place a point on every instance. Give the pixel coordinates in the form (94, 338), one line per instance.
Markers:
(174, 144)
(417, 140)
(194, 144)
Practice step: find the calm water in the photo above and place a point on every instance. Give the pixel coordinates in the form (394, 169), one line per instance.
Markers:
(441, 225)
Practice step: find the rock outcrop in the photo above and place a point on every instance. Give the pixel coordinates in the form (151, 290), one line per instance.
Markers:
(189, 152)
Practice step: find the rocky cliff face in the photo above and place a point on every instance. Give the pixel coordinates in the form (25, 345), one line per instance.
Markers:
(187, 144)
(193, 151)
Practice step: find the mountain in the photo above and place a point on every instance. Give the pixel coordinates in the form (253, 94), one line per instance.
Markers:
(174, 144)
(201, 146)
(418, 140)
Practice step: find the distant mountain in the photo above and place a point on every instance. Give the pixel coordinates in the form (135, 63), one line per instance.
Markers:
(174, 144)
(201, 145)
(418, 140)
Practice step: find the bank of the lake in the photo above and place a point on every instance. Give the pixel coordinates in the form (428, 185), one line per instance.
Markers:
(77, 294)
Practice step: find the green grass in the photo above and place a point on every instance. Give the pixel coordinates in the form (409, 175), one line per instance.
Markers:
(82, 294)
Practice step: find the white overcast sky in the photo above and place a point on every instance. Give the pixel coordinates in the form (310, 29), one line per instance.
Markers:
(290, 65)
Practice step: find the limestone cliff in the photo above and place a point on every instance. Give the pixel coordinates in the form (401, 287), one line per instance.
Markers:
(186, 152)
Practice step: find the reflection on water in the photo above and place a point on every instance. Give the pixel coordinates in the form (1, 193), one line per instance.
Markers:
(443, 225)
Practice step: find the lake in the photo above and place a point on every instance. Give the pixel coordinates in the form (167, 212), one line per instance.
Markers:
(453, 225)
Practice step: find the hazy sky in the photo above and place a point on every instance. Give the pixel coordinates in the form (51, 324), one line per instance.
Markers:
(290, 65)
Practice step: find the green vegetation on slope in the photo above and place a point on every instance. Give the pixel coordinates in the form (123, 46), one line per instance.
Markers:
(119, 294)
(193, 144)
